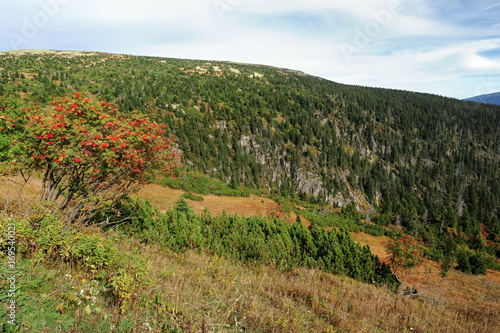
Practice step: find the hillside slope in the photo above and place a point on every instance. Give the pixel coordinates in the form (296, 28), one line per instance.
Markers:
(456, 289)
(192, 292)
(418, 161)
(189, 291)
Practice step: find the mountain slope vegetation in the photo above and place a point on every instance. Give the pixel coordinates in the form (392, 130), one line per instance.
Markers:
(328, 160)
(150, 275)
(422, 162)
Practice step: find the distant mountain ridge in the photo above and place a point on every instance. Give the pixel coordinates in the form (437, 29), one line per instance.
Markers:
(493, 98)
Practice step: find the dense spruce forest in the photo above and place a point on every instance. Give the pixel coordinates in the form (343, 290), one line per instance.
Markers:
(425, 163)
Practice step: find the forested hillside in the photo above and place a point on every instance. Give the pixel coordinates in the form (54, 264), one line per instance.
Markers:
(426, 163)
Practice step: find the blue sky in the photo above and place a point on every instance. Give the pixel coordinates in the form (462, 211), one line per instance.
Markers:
(449, 47)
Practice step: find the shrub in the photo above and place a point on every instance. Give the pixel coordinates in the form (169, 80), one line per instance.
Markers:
(260, 240)
(89, 154)
(405, 252)
(92, 251)
(44, 240)
(50, 240)
(471, 262)
(199, 183)
(191, 196)
(124, 284)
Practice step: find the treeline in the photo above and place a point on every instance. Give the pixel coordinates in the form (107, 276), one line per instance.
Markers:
(255, 241)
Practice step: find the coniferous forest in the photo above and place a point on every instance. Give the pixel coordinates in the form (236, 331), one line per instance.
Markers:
(392, 161)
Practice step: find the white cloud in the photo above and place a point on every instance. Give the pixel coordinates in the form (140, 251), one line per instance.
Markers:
(155, 15)
(361, 8)
(443, 70)
(255, 46)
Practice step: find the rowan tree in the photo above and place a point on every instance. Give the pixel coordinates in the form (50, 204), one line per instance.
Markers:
(89, 155)
(405, 254)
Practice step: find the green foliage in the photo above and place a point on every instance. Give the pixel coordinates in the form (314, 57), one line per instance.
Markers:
(351, 211)
(90, 155)
(35, 311)
(258, 240)
(471, 262)
(197, 182)
(52, 299)
(12, 119)
(48, 240)
(383, 219)
(191, 196)
(44, 238)
(378, 231)
(124, 283)
(326, 218)
(93, 251)
(344, 221)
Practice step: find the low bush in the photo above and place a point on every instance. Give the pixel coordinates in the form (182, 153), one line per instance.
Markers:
(258, 240)
(196, 182)
(49, 239)
(472, 262)
(191, 196)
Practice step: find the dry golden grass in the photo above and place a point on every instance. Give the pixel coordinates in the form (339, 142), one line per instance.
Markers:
(459, 291)
(10, 195)
(161, 197)
(165, 198)
(203, 293)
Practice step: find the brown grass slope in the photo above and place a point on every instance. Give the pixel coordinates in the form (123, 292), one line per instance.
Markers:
(205, 293)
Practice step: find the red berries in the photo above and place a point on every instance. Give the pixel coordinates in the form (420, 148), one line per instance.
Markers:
(74, 136)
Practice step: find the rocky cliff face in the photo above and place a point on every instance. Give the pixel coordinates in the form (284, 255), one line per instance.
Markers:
(305, 177)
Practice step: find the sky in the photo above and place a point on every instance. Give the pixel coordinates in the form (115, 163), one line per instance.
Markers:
(444, 47)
